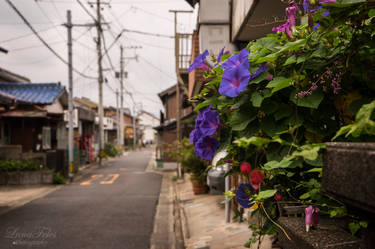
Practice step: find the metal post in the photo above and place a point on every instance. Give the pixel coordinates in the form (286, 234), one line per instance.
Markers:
(122, 96)
(134, 128)
(100, 80)
(70, 76)
(227, 200)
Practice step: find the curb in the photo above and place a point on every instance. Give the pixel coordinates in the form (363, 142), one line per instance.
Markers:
(183, 218)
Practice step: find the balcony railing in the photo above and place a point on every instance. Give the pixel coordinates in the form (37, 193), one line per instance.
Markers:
(185, 50)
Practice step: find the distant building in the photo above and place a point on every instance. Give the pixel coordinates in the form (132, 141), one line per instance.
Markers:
(168, 123)
(147, 121)
(31, 121)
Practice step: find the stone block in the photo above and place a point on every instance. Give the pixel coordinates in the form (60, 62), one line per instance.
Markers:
(328, 235)
(349, 173)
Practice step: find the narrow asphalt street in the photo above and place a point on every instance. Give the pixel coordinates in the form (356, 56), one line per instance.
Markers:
(110, 207)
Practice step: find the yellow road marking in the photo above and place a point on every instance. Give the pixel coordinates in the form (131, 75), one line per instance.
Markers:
(88, 182)
(114, 177)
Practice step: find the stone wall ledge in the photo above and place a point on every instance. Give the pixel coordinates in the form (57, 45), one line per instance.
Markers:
(328, 235)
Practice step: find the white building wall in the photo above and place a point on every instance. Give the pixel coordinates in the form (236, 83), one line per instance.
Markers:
(148, 122)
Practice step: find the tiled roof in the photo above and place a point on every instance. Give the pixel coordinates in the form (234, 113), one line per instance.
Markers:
(31, 93)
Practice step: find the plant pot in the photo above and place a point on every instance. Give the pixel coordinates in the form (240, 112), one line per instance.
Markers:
(349, 174)
(199, 186)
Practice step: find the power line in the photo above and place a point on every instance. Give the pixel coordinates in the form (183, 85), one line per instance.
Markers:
(147, 33)
(157, 68)
(29, 34)
(45, 14)
(42, 40)
(35, 46)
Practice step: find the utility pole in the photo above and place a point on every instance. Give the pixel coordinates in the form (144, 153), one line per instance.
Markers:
(100, 79)
(70, 74)
(118, 120)
(122, 73)
(179, 80)
(134, 127)
(122, 97)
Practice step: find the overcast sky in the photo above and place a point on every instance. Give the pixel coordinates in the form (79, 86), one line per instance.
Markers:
(152, 73)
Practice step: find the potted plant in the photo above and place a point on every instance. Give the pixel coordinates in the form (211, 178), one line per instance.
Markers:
(184, 153)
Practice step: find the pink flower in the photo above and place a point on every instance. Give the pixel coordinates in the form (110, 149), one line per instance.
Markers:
(245, 168)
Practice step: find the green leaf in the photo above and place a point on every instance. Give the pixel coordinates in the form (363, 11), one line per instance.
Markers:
(363, 224)
(345, 3)
(309, 154)
(269, 106)
(315, 170)
(305, 196)
(371, 13)
(302, 58)
(230, 194)
(310, 101)
(260, 78)
(240, 120)
(293, 46)
(292, 59)
(354, 227)
(279, 83)
(265, 194)
(363, 124)
(256, 99)
(269, 58)
(287, 162)
(205, 103)
(283, 112)
(256, 141)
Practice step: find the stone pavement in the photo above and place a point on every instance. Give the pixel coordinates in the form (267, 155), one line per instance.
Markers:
(203, 219)
(198, 220)
(15, 196)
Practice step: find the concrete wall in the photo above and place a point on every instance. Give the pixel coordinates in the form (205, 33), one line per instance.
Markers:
(214, 11)
(11, 152)
(240, 8)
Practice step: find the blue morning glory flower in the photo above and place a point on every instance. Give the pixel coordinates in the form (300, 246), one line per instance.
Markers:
(199, 62)
(243, 195)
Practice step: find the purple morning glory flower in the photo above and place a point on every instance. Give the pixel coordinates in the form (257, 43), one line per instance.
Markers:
(195, 135)
(234, 81)
(206, 147)
(316, 26)
(306, 5)
(261, 69)
(318, 8)
(210, 123)
(236, 60)
(243, 195)
(199, 62)
(220, 55)
(327, 13)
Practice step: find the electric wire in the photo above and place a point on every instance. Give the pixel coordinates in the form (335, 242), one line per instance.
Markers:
(42, 40)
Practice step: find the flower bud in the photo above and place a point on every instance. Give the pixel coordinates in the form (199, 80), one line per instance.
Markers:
(245, 168)
(277, 197)
(256, 178)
